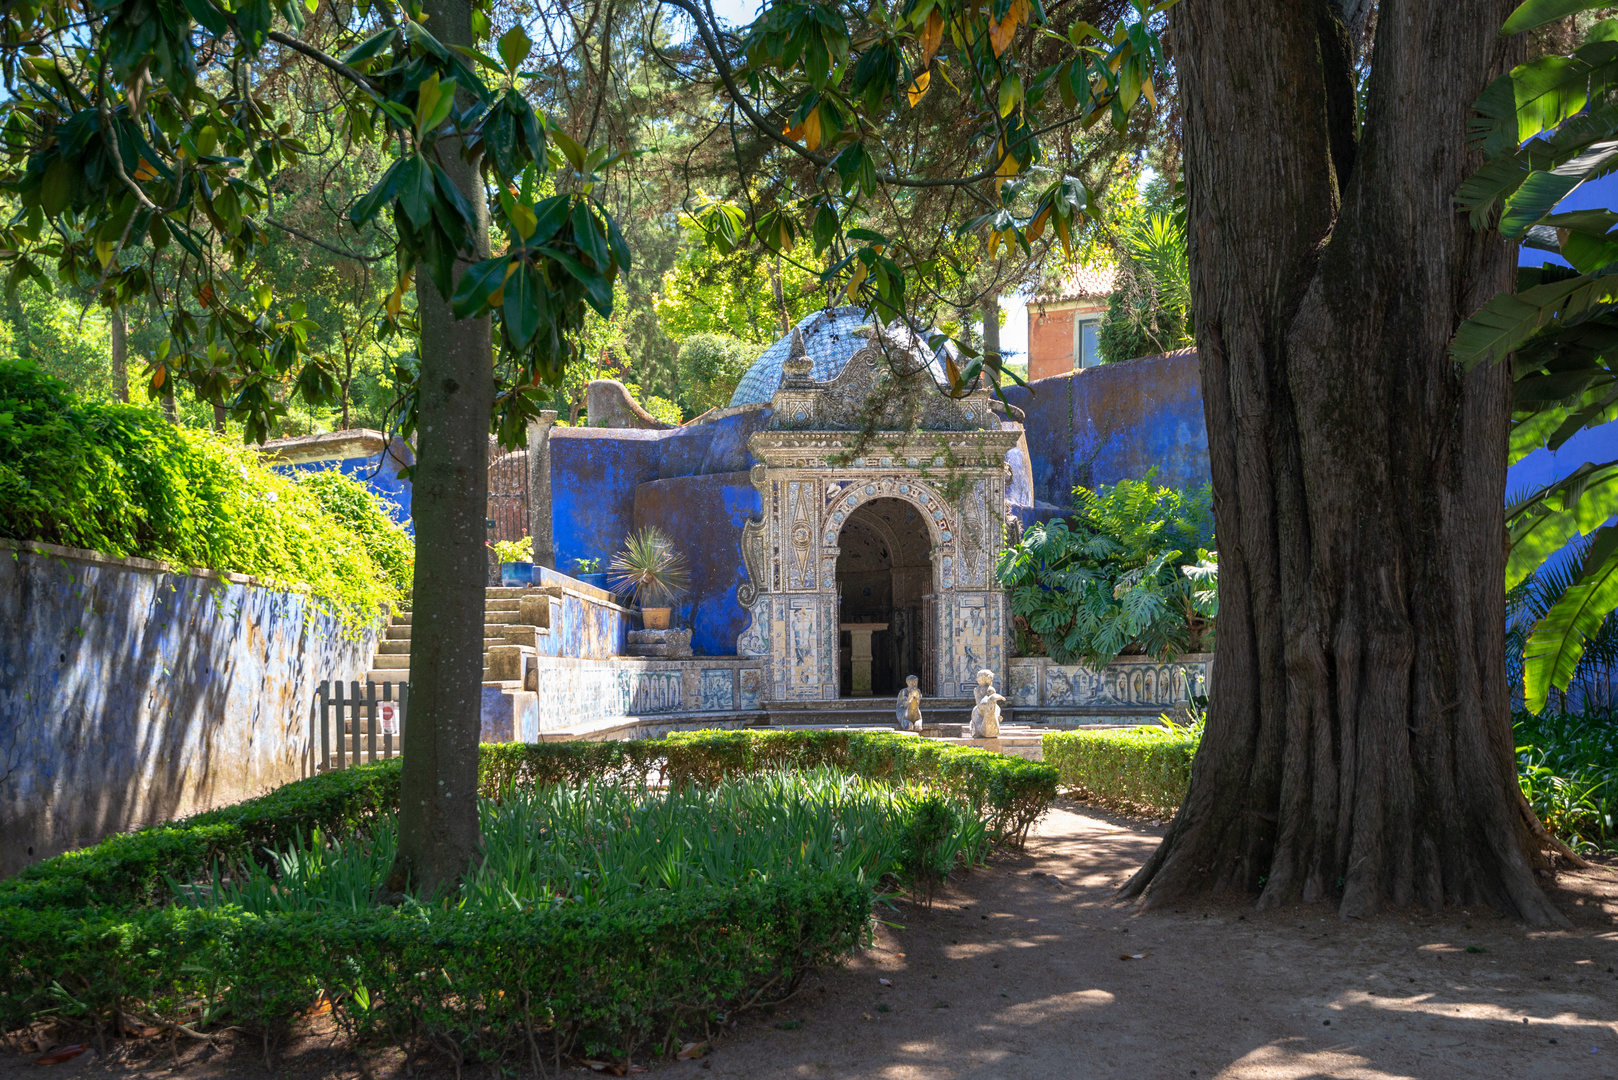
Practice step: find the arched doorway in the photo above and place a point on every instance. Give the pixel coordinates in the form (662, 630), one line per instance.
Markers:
(885, 575)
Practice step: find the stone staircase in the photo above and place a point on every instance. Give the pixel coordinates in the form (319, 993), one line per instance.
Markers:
(515, 620)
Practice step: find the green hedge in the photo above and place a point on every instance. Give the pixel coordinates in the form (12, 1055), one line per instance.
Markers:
(1013, 791)
(1142, 770)
(81, 935)
(129, 868)
(121, 480)
(604, 980)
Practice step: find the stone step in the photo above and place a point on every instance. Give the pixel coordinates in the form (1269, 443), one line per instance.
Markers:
(501, 616)
(507, 592)
(393, 648)
(493, 604)
(393, 675)
(391, 661)
(399, 633)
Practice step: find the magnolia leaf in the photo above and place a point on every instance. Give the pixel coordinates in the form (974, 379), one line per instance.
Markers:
(918, 88)
(515, 47)
(932, 36)
(520, 306)
(1010, 94)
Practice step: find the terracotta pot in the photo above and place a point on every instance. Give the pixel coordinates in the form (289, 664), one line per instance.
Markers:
(655, 618)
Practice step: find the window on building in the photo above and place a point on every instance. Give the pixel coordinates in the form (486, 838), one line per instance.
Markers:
(1089, 342)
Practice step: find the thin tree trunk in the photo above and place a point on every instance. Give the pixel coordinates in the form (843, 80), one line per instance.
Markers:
(1358, 747)
(219, 417)
(438, 813)
(119, 332)
(989, 309)
(171, 411)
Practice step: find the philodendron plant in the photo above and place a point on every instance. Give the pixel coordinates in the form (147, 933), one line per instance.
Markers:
(649, 569)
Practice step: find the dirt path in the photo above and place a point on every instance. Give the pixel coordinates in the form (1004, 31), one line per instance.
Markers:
(1015, 972)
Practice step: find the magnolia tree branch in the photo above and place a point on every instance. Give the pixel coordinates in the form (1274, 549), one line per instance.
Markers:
(322, 58)
(761, 124)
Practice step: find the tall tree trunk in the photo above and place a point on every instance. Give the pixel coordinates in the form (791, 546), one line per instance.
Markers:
(171, 410)
(219, 416)
(438, 813)
(1359, 746)
(119, 331)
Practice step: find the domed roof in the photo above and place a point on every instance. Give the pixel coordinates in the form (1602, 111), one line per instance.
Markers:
(829, 339)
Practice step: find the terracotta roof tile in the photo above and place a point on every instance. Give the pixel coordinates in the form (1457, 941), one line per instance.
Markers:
(1080, 282)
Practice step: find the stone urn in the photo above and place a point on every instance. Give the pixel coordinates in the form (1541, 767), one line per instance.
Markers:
(655, 618)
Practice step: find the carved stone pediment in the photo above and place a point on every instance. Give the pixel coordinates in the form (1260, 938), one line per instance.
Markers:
(883, 387)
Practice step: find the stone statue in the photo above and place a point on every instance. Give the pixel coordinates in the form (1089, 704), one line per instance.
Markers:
(986, 714)
(908, 711)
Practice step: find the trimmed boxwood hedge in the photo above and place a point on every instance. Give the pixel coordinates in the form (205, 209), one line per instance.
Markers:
(82, 935)
(1014, 792)
(1142, 770)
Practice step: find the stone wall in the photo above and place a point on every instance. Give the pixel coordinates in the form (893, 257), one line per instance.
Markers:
(1116, 422)
(579, 694)
(132, 693)
(1130, 690)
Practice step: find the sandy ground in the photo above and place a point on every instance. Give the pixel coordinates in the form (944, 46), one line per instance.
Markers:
(1017, 970)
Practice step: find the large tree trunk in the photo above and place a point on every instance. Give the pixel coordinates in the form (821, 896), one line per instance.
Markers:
(438, 814)
(1358, 746)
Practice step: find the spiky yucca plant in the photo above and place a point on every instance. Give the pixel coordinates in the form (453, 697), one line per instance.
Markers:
(649, 569)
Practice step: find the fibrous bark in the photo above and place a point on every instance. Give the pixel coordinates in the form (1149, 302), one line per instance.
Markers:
(438, 816)
(1358, 747)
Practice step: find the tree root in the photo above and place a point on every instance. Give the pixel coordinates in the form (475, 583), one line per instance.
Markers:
(1548, 842)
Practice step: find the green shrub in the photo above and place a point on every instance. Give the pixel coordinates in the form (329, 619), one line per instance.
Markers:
(120, 480)
(1567, 766)
(1142, 770)
(604, 980)
(79, 937)
(356, 508)
(1129, 571)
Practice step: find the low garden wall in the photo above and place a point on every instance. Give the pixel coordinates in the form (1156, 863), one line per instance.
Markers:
(579, 694)
(1130, 690)
(133, 693)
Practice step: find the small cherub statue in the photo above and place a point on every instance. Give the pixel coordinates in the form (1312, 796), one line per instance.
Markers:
(908, 712)
(986, 714)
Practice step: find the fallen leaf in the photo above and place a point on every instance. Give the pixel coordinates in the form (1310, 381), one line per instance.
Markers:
(692, 1050)
(1133, 956)
(868, 1016)
(884, 982)
(66, 1053)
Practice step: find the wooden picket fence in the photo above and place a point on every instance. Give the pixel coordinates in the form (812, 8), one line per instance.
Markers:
(350, 727)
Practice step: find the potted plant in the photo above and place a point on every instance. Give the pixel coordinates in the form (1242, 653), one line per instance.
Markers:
(650, 571)
(589, 572)
(516, 561)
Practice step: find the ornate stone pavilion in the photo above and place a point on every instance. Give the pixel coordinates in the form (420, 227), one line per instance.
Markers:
(884, 511)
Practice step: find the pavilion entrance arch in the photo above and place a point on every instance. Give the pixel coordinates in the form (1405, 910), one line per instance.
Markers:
(884, 578)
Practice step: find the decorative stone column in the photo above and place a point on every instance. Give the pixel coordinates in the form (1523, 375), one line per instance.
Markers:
(861, 633)
(539, 489)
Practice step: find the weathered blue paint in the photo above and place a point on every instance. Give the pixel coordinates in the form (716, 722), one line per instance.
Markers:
(586, 622)
(379, 472)
(130, 694)
(704, 515)
(1116, 422)
(594, 474)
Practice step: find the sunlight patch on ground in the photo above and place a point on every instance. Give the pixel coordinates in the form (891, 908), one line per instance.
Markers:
(1286, 1059)
(1432, 1005)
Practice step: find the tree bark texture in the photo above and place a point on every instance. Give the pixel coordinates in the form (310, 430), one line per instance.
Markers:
(438, 814)
(119, 332)
(1358, 747)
